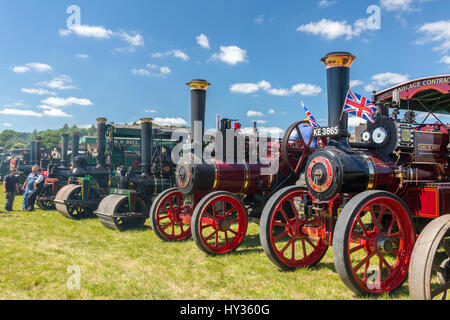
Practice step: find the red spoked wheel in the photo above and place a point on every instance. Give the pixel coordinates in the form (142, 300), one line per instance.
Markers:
(219, 223)
(373, 241)
(290, 238)
(170, 217)
(295, 149)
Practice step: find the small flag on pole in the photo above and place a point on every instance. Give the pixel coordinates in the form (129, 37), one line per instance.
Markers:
(310, 117)
(359, 106)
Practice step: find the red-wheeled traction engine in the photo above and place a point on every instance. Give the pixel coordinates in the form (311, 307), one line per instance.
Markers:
(212, 201)
(368, 199)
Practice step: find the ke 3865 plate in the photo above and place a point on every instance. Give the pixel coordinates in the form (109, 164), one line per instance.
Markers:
(326, 132)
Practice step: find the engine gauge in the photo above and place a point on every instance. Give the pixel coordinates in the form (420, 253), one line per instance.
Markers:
(379, 135)
(366, 137)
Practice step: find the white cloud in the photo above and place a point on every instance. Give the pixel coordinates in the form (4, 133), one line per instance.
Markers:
(65, 102)
(135, 40)
(165, 70)
(40, 92)
(303, 89)
(354, 122)
(271, 111)
(6, 124)
(396, 5)
(325, 3)
(151, 111)
(252, 114)
(438, 32)
(231, 55)
(203, 41)
(56, 113)
(174, 53)
(355, 83)
(385, 80)
(331, 30)
(81, 56)
(20, 112)
(84, 126)
(445, 59)
(140, 72)
(62, 82)
(170, 122)
(259, 19)
(33, 66)
(157, 55)
(97, 32)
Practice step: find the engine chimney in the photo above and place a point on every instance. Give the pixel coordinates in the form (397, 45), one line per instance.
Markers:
(33, 152)
(146, 145)
(198, 105)
(75, 145)
(338, 82)
(64, 149)
(101, 142)
(38, 146)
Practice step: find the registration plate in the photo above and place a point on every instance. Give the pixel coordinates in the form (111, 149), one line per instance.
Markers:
(326, 132)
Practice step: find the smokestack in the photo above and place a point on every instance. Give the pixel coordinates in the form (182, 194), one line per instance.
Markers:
(198, 105)
(101, 142)
(38, 145)
(33, 152)
(146, 145)
(64, 149)
(75, 145)
(338, 81)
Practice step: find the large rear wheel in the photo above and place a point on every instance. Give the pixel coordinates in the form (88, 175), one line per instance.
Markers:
(289, 237)
(170, 217)
(429, 271)
(373, 241)
(219, 223)
(43, 200)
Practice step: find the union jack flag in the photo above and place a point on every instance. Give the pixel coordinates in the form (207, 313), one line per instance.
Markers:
(359, 106)
(310, 117)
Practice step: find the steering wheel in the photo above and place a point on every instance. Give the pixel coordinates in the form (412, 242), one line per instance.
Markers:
(296, 148)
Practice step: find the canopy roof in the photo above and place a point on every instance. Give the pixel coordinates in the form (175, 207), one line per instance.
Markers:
(423, 95)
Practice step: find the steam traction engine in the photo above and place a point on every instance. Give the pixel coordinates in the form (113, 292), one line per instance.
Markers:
(128, 204)
(367, 199)
(212, 201)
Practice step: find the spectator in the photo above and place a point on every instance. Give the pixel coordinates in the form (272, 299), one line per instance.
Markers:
(28, 186)
(10, 188)
(37, 188)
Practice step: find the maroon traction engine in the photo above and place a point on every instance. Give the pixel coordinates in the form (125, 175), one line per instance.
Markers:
(370, 198)
(212, 202)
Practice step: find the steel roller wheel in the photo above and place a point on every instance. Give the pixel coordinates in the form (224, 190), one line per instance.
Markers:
(169, 217)
(73, 192)
(114, 205)
(219, 223)
(373, 241)
(46, 204)
(295, 150)
(289, 238)
(429, 271)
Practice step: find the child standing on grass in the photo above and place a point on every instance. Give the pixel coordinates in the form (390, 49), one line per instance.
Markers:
(10, 188)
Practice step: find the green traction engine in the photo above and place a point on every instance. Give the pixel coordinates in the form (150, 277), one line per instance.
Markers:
(117, 146)
(127, 207)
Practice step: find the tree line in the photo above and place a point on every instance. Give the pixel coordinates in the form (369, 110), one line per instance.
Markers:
(10, 139)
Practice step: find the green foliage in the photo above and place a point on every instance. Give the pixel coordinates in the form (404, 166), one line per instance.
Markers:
(10, 139)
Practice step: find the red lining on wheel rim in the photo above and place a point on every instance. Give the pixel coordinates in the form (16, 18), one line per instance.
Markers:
(308, 258)
(209, 227)
(175, 215)
(396, 271)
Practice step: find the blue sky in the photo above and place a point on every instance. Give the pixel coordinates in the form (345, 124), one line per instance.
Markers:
(132, 59)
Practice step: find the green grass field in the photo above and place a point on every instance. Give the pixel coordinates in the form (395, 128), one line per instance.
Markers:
(37, 248)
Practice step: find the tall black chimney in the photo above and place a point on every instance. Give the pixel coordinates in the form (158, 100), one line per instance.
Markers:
(146, 145)
(101, 142)
(38, 145)
(33, 153)
(75, 145)
(338, 82)
(198, 105)
(64, 149)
